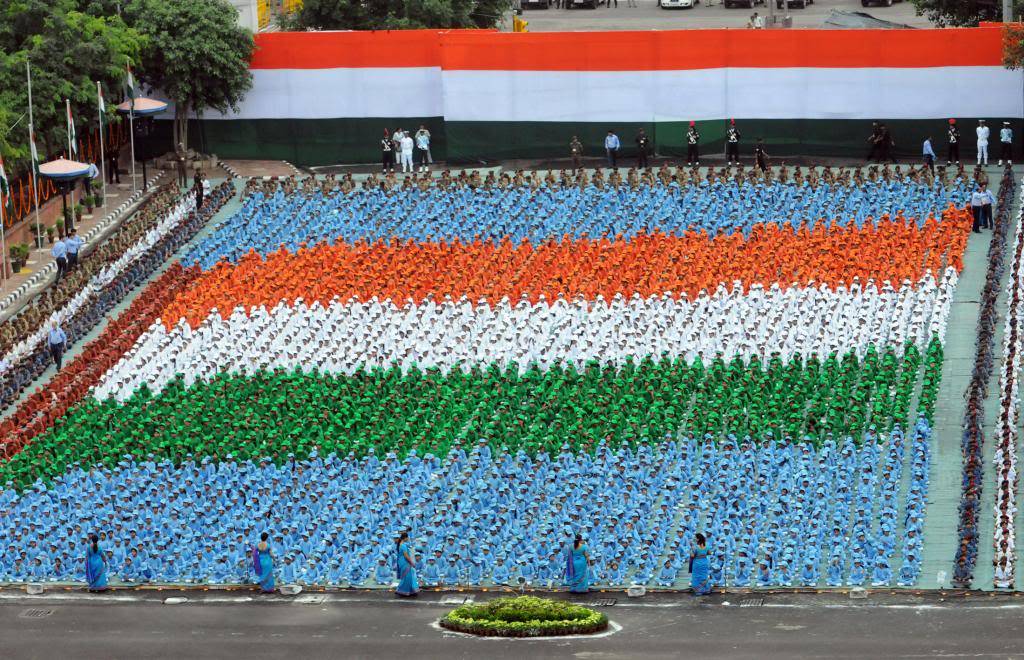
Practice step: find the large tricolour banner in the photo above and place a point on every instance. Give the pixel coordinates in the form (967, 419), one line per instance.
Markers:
(327, 96)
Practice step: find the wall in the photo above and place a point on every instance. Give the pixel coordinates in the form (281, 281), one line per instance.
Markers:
(325, 97)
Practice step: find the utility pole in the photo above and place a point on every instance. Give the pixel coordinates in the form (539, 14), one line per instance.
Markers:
(1007, 11)
(771, 13)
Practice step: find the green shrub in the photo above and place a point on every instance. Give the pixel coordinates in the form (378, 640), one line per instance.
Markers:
(525, 616)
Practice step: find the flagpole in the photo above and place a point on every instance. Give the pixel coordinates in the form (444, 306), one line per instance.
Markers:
(131, 119)
(32, 141)
(3, 236)
(67, 106)
(103, 160)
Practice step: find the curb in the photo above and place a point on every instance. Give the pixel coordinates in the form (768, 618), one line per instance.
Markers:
(230, 170)
(233, 172)
(44, 272)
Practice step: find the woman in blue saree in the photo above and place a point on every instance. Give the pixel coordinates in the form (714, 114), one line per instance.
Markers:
(95, 565)
(405, 567)
(263, 564)
(700, 579)
(577, 567)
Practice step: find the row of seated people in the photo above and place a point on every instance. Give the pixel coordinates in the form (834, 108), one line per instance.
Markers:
(495, 515)
(37, 314)
(635, 178)
(341, 339)
(273, 217)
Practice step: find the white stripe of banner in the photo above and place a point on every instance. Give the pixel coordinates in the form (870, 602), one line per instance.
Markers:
(343, 337)
(769, 93)
(341, 93)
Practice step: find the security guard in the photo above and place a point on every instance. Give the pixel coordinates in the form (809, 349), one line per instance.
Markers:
(760, 156)
(1006, 144)
(693, 145)
(643, 145)
(732, 144)
(953, 135)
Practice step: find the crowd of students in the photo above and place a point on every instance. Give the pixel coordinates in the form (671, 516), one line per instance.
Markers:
(517, 316)
(787, 514)
(520, 208)
(1006, 434)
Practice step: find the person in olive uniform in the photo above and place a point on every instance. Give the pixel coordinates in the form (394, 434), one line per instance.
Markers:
(576, 152)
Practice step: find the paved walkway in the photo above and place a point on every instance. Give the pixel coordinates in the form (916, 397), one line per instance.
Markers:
(252, 626)
(940, 533)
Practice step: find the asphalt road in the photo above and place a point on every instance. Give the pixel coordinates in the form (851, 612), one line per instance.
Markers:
(648, 16)
(379, 626)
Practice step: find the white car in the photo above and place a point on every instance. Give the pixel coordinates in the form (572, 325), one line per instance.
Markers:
(677, 4)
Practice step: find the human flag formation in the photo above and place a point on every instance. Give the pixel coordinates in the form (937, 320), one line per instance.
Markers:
(515, 365)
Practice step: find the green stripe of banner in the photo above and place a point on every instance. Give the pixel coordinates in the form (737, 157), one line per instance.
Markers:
(310, 142)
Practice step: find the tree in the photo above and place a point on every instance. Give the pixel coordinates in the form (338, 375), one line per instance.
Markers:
(196, 53)
(1013, 46)
(69, 51)
(396, 14)
(963, 13)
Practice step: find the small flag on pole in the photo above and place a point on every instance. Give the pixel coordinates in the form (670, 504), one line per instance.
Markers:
(130, 84)
(103, 106)
(5, 189)
(72, 139)
(32, 148)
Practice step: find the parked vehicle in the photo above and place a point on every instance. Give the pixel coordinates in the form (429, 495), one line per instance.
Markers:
(794, 4)
(749, 4)
(539, 4)
(677, 4)
(878, 3)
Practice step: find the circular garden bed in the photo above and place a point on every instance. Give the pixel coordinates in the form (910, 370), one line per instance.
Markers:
(525, 616)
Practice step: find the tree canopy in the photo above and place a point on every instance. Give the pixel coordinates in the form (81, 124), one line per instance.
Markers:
(69, 51)
(395, 14)
(195, 52)
(963, 13)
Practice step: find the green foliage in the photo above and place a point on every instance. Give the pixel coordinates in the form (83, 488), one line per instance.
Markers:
(963, 13)
(525, 616)
(195, 52)
(69, 51)
(396, 14)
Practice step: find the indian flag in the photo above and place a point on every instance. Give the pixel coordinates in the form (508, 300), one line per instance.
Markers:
(317, 96)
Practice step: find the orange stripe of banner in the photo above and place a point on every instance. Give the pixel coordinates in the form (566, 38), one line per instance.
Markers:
(647, 265)
(628, 50)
